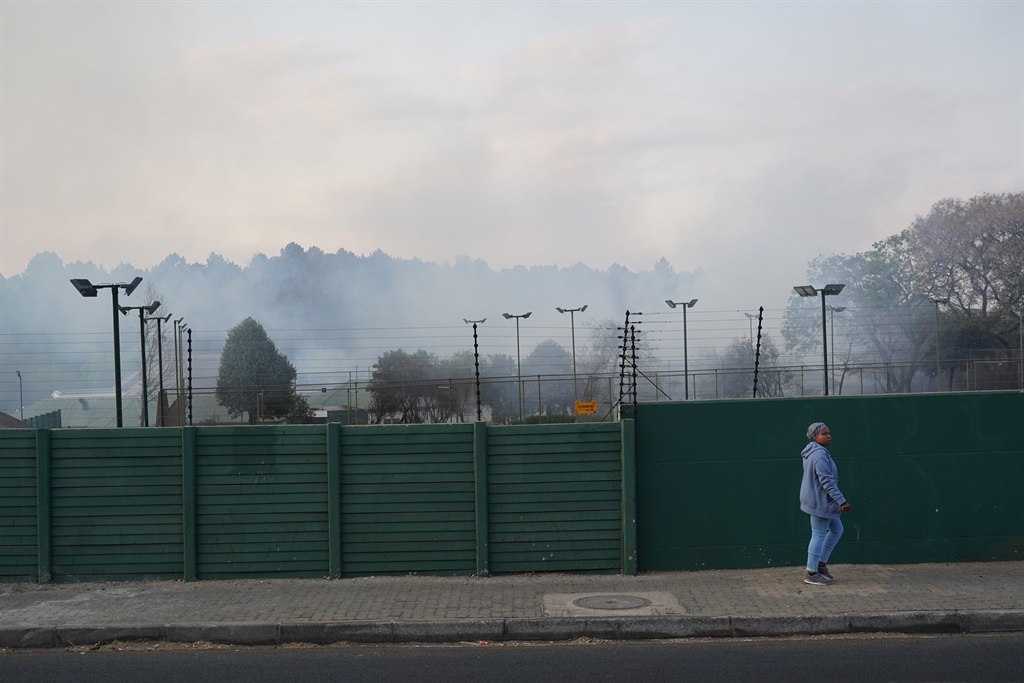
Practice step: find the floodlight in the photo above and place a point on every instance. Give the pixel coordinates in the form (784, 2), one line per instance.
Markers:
(84, 287)
(827, 290)
(132, 285)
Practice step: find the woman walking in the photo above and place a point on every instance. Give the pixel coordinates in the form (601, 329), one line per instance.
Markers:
(821, 498)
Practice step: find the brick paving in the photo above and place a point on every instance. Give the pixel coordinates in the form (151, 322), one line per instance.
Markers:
(756, 592)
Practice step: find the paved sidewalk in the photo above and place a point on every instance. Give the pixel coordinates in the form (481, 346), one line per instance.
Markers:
(938, 598)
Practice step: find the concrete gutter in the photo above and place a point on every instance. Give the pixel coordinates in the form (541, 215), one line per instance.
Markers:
(521, 629)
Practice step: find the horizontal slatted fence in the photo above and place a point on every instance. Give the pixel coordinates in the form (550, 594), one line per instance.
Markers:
(18, 522)
(555, 498)
(261, 502)
(219, 502)
(116, 504)
(407, 500)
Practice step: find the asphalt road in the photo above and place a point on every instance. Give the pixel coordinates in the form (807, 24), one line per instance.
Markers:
(835, 659)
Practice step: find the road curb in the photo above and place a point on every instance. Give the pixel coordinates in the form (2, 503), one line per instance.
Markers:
(525, 629)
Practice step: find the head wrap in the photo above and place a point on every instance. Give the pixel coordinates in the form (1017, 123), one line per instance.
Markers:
(815, 429)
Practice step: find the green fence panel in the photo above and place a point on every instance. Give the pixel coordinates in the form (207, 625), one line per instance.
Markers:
(115, 504)
(407, 500)
(932, 478)
(18, 519)
(261, 502)
(555, 498)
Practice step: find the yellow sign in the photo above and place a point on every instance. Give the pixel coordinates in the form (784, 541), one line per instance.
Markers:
(586, 407)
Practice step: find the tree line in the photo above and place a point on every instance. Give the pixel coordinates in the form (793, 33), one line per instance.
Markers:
(947, 287)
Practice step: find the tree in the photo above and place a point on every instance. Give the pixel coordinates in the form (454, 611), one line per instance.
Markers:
(885, 312)
(498, 388)
(966, 255)
(972, 252)
(737, 361)
(971, 257)
(456, 388)
(551, 365)
(255, 379)
(404, 386)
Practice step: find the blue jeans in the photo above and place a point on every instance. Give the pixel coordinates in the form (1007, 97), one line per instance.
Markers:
(825, 533)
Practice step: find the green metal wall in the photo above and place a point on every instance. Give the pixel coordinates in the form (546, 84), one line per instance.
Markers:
(18, 506)
(555, 498)
(261, 502)
(115, 504)
(932, 478)
(691, 485)
(408, 500)
(310, 501)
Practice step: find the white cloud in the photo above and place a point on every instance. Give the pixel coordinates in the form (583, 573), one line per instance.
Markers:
(742, 139)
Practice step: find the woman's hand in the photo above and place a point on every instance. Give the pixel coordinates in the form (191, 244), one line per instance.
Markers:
(845, 507)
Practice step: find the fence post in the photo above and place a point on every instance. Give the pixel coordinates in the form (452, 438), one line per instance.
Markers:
(628, 455)
(334, 498)
(43, 531)
(483, 565)
(188, 503)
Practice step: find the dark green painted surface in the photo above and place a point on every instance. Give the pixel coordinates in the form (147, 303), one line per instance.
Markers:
(555, 498)
(308, 501)
(115, 504)
(261, 502)
(932, 478)
(407, 500)
(18, 521)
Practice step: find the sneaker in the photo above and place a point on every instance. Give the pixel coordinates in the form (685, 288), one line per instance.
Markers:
(823, 570)
(817, 579)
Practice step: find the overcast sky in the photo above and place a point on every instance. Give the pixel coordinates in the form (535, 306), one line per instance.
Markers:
(739, 139)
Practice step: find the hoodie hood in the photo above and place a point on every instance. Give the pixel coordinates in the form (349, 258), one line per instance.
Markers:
(810, 448)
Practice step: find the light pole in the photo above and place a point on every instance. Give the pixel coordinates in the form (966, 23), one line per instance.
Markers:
(519, 362)
(572, 323)
(686, 360)
(832, 323)
(437, 400)
(827, 290)
(476, 363)
(160, 365)
(88, 289)
(1020, 341)
(936, 300)
(142, 336)
(177, 370)
(21, 396)
(751, 317)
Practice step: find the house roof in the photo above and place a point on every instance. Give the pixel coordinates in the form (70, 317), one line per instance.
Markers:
(11, 422)
(99, 412)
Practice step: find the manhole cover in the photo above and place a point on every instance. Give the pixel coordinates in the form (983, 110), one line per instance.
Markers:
(611, 602)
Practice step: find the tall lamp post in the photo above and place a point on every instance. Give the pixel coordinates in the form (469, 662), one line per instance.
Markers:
(686, 360)
(827, 290)
(178, 324)
(151, 309)
(21, 396)
(160, 366)
(937, 300)
(88, 289)
(1020, 342)
(519, 362)
(572, 323)
(476, 362)
(832, 323)
(751, 317)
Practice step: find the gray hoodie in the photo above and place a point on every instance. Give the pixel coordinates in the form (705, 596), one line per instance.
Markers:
(819, 490)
